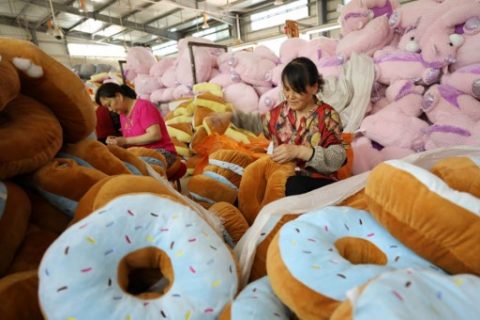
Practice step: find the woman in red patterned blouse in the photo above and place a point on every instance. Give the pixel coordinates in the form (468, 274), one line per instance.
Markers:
(302, 128)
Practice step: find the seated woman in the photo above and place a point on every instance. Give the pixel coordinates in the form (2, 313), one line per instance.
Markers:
(141, 122)
(302, 129)
(106, 124)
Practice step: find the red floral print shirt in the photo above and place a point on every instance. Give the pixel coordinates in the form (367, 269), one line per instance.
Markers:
(321, 127)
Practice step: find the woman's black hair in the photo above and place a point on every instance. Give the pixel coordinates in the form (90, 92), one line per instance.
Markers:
(300, 73)
(108, 90)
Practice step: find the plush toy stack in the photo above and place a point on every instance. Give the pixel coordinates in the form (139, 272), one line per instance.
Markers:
(369, 244)
(52, 176)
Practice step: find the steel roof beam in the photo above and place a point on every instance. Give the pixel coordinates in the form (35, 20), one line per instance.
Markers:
(115, 21)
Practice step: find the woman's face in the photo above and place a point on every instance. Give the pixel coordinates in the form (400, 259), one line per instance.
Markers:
(114, 104)
(299, 101)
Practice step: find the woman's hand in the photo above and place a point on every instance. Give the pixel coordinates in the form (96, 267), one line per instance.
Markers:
(285, 153)
(119, 141)
(289, 152)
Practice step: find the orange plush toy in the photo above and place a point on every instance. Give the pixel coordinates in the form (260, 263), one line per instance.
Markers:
(263, 182)
(220, 179)
(42, 104)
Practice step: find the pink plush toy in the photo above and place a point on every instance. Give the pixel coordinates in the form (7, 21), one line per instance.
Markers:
(252, 69)
(467, 54)
(391, 65)
(264, 52)
(226, 62)
(225, 79)
(169, 78)
(159, 68)
(242, 96)
(204, 63)
(374, 36)
(397, 123)
(451, 130)
(182, 91)
(157, 95)
(409, 14)
(270, 99)
(358, 13)
(330, 66)
(290, 49)
(139, 60)
(276, 74)
(145, 85)
(445, 36)
(465, 79)
(318, 48)
(366, 156)
(443, 99)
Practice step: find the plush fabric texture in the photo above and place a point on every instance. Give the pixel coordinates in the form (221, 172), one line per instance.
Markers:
(58, 88)
(238, 159)
(14, 215)
(256, 301)
(97, 155)
(218, 122)
(422, 211)
(259, 266)
(46, 216)
(232, 219)
(18, 293)
(9, 82)
(263, 182)
(357, 201)
(85, 205)
(30, 136)
(204, 277)
(403, 294)
(342, 248)
(181, 131)
(129, 159)
(31, 251)
(210, 190)
(460, 173)
(152, 157)
(199, 114)
(59, 175)
(110, 188)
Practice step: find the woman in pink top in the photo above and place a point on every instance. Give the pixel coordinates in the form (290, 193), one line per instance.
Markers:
(141, 121)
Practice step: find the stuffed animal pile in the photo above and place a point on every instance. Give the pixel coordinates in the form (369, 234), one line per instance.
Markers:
(52, 176)
(424, 58)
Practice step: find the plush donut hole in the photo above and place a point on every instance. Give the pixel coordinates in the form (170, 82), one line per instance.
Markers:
(146, 273)
(360, 251)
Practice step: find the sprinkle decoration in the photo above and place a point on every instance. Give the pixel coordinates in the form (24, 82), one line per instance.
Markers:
(192, 270)
(172, 244)
(192, 240)
(153, 214)
(163, 314)
(62, 288)
(370, 235)
(83, 226)
(150, 238)
(216, 283)
(85, 270)
(66, 250)
(326, 228)
(130, 213)
(90, 240)
(396, 294)
(127, 238)
(179, 253)
(208, 310)
(188, 314)
(163, 229)
(312, 240)
(108, 252)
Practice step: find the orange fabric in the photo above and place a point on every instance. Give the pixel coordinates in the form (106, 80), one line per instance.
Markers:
(346, 170)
